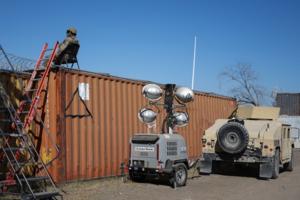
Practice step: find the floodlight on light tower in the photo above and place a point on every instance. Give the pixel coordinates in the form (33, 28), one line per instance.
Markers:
(181, 119)
(147, 116)
(184, 94)
(173, 119)
(152, 92)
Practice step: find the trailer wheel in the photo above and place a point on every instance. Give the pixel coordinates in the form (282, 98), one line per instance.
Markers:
(275, 172)
(180, 175)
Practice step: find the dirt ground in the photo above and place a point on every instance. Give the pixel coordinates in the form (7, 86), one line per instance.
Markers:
(222, 186)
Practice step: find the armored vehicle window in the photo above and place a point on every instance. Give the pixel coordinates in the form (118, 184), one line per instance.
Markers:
(284, 132)
(145, 139)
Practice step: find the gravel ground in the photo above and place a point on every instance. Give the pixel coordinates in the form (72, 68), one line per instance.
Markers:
(222, 186)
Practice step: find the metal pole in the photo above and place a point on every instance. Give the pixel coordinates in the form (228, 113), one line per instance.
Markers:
(194, 62)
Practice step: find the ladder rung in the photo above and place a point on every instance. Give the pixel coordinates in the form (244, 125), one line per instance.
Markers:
(15, 148)
(37, 178)
(36, 79)
(26, 73)
(39, 75)
(20, 165)
(11, 135)
(40, 195)
(17, 122)
(11, 149)
(5, 120)
(24, 112)
(27, 101)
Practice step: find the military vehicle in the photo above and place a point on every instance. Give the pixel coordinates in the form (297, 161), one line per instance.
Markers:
(255, 136)
(164, 154)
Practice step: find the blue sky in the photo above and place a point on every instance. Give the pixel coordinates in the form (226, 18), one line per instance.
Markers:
(153, 40)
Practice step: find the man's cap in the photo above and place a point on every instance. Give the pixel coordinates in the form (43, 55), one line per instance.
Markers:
(72, 30)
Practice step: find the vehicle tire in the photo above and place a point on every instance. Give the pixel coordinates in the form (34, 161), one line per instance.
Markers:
(275, 169)
(180, 175)
(290, 165)
(233, 138)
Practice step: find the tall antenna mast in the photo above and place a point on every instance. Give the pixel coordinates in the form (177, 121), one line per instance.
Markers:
(194, 62)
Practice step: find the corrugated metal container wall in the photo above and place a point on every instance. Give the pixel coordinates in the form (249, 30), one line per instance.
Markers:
(52, 121)
(96, 144)
(94, 133)
(289, 103)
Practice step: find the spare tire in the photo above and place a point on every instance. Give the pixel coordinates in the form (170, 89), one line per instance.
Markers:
(233, 138)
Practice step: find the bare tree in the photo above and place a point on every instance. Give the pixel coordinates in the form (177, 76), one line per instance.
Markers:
(244, 84)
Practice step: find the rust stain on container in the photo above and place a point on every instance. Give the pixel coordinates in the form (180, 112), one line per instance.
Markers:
(93, 127)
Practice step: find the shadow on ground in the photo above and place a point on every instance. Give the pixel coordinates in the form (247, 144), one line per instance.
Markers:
(230, 169)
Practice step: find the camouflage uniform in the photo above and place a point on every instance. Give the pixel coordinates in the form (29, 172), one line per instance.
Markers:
(70, 39)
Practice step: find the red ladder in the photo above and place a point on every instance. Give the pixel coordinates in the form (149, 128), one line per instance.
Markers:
(30, 113)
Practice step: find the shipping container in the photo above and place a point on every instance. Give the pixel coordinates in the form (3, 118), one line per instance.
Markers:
(289, 103)
(92, 116)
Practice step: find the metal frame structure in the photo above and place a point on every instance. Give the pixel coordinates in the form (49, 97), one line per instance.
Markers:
(25, 167)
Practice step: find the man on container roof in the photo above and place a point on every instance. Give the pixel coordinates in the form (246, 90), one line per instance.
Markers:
(70, 39)
(66, 50)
